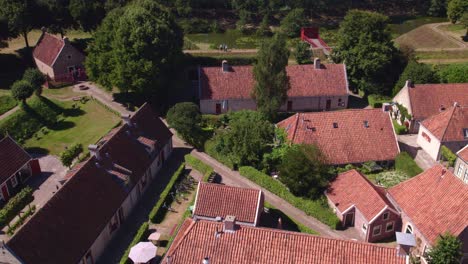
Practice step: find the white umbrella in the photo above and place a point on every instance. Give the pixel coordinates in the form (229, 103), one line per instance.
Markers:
(142, 252)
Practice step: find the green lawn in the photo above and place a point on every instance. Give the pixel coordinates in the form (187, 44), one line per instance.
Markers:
(6, 103)
(233, 38)
(85, 126)
(402, 26)
(63, 93)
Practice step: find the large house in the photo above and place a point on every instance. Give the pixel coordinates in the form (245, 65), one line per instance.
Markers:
(430, 204)
(360, 204)
(78, 222)
(448, 128)
(16, 166)
(346, 137)
(312, 88)
(201, 241)
(425, 100)
(57, 58)
(216, 201)
(461, 164)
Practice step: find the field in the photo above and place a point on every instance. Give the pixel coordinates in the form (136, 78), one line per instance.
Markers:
(85, 126)
(425, 37)
(400, 26)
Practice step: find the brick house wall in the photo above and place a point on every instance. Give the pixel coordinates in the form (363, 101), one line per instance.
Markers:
(21, 176)
(68, 57)
(392, 220)
(461, 170)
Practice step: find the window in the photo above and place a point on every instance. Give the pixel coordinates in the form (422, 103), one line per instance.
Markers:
(386, 215)
(389, 227)
(335, 125)
(409, 229)
(426, 137)
(14, 181)
(465, 132)
(364, 227)
(466, 176)
(376, 230)
(460, 170)
(114, 223)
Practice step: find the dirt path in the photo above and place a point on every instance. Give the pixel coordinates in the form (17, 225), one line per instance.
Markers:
(443, 61)
(10, 112)
(435, 27)
(102, 96)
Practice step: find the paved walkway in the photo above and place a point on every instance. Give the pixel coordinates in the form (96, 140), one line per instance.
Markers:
(9, 112)
(102, 96)
(408, 143)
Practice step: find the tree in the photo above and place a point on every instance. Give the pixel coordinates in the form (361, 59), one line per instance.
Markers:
(438, 8)
(264, 27)
(58, 15)
(4, 33)
(302, 53)
(87, 13)
(272, 82)
(185, 119)
(19, 16)
(303, 171)
(417, 73)
(70, 154)
(364, 43)
(35, 78)
(456, 9)
(135, 48)
(292, 22)
(447, 250)
(454, 73)
(21, 90)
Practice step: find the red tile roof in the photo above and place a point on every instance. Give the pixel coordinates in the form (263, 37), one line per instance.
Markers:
(12, 158)
(48, 48)
(354, 189)
(351, 141)
(463, 153)
(449, 125)
(252, 245)
(73, 218)
(305, 81)
(426, 99)
(221, 200)
(436, 201)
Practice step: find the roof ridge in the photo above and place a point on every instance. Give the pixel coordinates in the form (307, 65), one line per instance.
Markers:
(295, 126)
(229, 186)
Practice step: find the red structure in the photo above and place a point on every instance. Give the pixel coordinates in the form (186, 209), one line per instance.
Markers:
(311, 36)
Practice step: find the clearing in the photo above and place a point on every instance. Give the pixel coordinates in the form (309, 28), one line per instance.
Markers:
(425, 37)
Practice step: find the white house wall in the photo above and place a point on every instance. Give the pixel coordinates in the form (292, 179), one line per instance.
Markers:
(432, 148)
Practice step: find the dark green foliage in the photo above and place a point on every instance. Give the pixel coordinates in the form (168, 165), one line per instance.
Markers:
(317, 208)
(376, 100)
(58, 15)
(272, 82)
(364, 44)
(303, 171)
(19, 15)
(195, 25)
(35, 78)
(454, 73)
(6, 103)
(15, 205)
(292, 23)
(438, 8)
(200, 166)
(22, 217)
(271, 161)
(405, 163)
(70, 154)
(142, 233)
(87, 13)
(399, 129)
(264, 27)
(456, 9)
(447, 250)
(21, 90)
(185, 119)
(302, 53)
(448, 155)
(417, 73)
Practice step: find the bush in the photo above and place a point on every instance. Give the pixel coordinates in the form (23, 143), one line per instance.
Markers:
(156, 212)
(200, 166)
(13, 227)
(195, 25)
(376, 100)
(292, 22)
(454, 73)
(302, 53)
(448, 155)
(67, 156)
(6, 103)
(405, 163)
(399, 129)
(141, 234)
(210, 148)
(15, 205)
(316, 208)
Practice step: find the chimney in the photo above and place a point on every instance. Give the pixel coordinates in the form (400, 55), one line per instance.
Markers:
(206, 260)
(94, 151)
(409, 84)
(317, 64)
(230, 224)
(225, 66)
(126, 119)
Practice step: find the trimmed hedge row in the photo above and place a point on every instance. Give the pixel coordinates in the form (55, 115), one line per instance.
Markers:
(406, 164)
(376, 100)
(399, 129)
(15, 205)
(141, 234)
(13, 227)
(315, 208)
(164, 197)
(448, 155)
(200, 166)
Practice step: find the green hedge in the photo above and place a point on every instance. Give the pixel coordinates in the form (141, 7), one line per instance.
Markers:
(6, 103)
(448, 155)
(15, 205)
(142, 233)
(376, 100)
(200, 166)
(13, 227)
(315, 208)
(399, 129)
(404, 162)
(156, 212)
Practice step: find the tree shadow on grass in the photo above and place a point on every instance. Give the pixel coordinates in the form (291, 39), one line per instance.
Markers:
(37, 151)
(73, 112)
(62, 125)
(56, 108)
(270, 219)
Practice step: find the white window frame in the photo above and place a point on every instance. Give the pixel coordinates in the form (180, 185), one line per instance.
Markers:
(390, 223)
(14, 181)
(379, 227)
(408, 226)
(386, 214)
(466, 176)
(460, 170)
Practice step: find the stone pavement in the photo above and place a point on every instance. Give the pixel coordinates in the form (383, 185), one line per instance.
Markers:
(408, 143)
(102, 96)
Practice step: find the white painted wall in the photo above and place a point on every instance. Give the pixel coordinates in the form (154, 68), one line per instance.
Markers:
(432, 148)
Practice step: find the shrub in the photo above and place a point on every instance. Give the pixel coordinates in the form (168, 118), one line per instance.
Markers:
(448, 155)
(404, 162)
(292, 22)
(67, 156)
(399, 129)
(200, 166)
(211, 149)
(302, 53)
(376, 100)
(13, 227)
(6, 103)
(21, 90)
(142, 233)
(156, 212)
(454, 73)
(417, 73)
(316, 208)
(15, 205)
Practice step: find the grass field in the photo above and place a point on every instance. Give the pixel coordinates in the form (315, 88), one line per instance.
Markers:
(443, 54)
(233, 38)
(401, 26)
(63, 93)
(425, 37)
(6, 103)
(85, 126)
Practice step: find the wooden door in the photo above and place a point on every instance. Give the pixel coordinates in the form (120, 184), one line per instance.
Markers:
(349, 219)
(5, 193)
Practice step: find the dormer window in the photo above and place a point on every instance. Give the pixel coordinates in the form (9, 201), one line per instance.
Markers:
(335, 125)
(366, 123)
(465, 132)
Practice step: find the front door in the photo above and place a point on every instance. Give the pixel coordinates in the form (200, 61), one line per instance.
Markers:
(349, 219)
(328, 106)
(218, 109)
(5, 193)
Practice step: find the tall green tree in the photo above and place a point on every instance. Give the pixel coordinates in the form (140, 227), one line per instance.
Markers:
(59, 18)
(303, 171)
(21, 90)
(292, 22)
(185, 119)
(365, 45)
(417, 73)
(454, 73)
(456, 9)
(447, 250)
(35, 78)
(272, 82)
(302, 53)
(438, 8)
(87, 13)
(19, 15)
(4, 33)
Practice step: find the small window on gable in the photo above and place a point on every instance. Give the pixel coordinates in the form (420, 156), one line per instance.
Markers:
(409, 229)
(14, 181)
(376, 230)
(426, 137)
(389, 227)
(386, 215)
